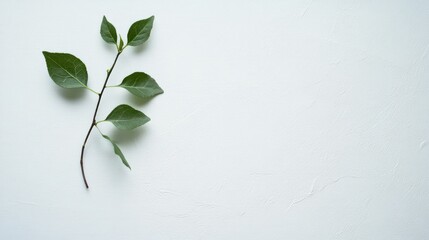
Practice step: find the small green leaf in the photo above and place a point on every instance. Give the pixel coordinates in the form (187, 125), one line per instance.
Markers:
(125, 117)
(121, 43)
(139, 32)
(66, 70)
(108, 31)
(118, 151)
(141, 85)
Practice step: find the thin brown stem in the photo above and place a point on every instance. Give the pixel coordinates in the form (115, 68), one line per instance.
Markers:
(93, 123)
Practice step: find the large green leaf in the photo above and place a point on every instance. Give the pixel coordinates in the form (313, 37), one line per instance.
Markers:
(139, 32)
(141, 85)
(108, 31)
(125, 117)
(118, 151)
(66, 70)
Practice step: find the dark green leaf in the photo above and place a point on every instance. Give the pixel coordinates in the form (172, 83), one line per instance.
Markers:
(66, 70)
(108, 31)
(141, 85)
(139, 32)
(118, 151)
(125, 117)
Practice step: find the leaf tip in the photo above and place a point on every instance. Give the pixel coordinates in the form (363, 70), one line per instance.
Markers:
(151, 19)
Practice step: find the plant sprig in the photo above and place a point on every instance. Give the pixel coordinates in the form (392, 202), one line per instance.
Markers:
(68, 71)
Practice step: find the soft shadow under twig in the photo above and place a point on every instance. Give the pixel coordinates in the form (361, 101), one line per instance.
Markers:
(138, 101)
(71, 94)
(108, 46)
(139, 49)
(126, 137)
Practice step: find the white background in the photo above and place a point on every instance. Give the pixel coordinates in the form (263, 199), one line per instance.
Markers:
(280, 120)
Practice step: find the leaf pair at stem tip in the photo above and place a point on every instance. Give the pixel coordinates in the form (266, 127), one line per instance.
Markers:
(138, 33)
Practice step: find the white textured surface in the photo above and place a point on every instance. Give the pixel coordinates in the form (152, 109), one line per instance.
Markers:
(280, 120)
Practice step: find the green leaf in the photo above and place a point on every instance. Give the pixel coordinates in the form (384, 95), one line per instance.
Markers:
(139, 32)
(108, 31)
(118, 151)
(66, 70)
(141, 85)
(121, 43)
(125, 117)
